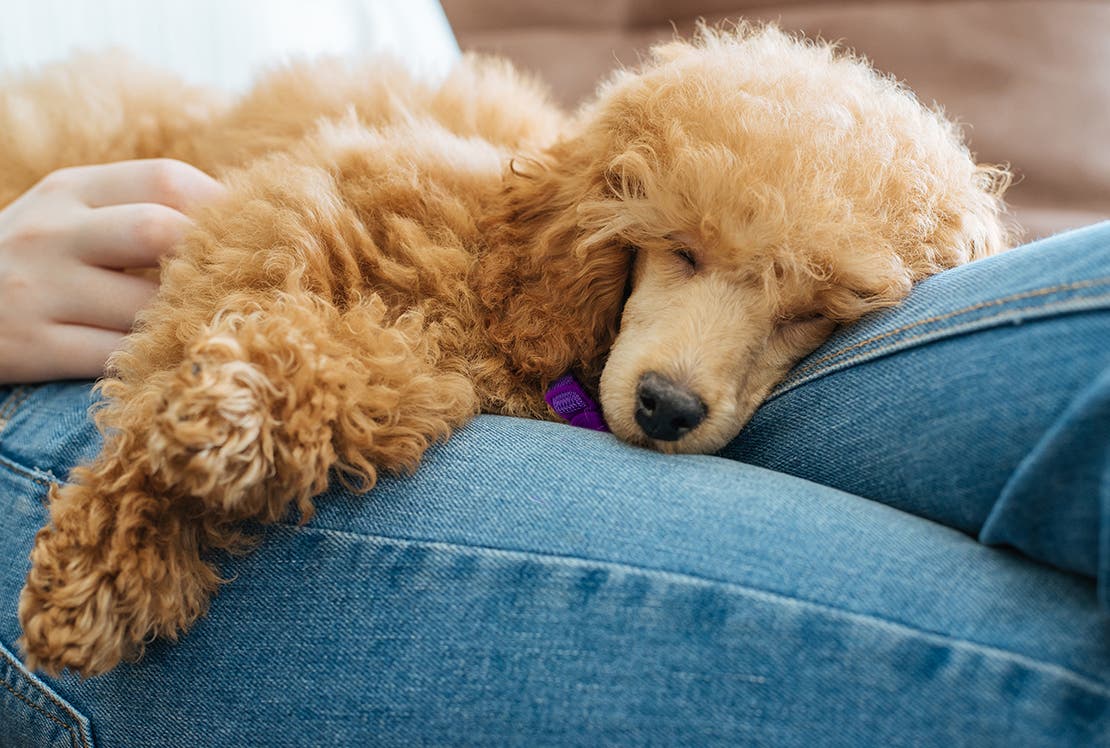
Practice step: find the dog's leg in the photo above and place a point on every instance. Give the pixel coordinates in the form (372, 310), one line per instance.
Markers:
(270, 396)
(116, 567)
(275, 394)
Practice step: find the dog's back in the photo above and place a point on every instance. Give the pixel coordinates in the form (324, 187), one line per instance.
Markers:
(109, 107)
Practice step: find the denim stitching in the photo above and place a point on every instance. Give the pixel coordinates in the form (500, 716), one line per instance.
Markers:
(814, 371)
(76, 732)
(72, 715)
(897, 344)
(1084, 681)
(48, 715)
(975, 307)
(38, 477)
(11, 405)
(5, 405)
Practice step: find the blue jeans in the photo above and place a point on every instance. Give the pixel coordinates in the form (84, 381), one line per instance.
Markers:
(537, 584)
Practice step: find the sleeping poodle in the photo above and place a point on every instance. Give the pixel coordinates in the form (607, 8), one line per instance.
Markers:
(393, 258)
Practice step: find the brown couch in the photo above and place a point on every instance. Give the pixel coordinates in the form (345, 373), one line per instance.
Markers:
(1030, 78)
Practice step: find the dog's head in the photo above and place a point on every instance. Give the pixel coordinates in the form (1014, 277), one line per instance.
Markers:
(741, 194)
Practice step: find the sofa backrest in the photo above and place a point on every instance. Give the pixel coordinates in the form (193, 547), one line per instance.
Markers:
(1030, 79)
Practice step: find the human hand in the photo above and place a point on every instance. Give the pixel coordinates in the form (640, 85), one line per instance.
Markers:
(65, 300)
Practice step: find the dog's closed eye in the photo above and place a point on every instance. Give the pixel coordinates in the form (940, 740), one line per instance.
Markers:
(687, 256)
(787, 318)
(684, 248)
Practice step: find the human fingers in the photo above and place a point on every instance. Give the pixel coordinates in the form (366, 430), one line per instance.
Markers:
(80, 351)
(98, 297)
(128, 236)
(60, 352)
(165, 181)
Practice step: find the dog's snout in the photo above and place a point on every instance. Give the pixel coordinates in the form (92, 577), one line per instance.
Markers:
(665, 409)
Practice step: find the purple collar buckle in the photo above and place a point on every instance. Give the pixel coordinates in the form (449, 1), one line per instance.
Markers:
(571, 403)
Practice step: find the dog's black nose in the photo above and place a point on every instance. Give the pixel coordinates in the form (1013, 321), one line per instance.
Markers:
(665, 409)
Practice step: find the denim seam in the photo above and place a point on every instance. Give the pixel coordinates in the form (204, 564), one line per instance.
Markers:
(39, 477)
(814, 371)
(974, 307)
(947, 331)
(11, 405)
(1081, 680)
(43, 712)
(76, 733)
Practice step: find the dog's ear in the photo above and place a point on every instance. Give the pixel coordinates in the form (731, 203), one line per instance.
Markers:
(967, 223)
(985, 228)
(552, 278)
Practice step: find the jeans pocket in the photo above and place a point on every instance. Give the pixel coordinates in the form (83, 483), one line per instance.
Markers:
(32, 715)
(45, 429)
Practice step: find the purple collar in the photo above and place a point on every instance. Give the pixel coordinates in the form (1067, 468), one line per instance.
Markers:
(571, 403)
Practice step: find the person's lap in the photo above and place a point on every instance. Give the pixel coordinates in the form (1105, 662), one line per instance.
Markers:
(535, 583)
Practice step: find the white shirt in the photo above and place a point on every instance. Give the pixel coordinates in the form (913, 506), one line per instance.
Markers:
(224, 43)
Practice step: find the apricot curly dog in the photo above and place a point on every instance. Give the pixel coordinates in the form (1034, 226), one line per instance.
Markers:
(394, 258)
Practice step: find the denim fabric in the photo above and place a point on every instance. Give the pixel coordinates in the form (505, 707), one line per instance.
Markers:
(983, 403)
(535, 584)
(33, 714)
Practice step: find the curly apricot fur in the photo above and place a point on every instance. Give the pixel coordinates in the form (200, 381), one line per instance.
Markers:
(395, 257)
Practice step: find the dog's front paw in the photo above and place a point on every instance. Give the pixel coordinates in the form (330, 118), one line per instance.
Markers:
(213, 437)
(245, 424)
